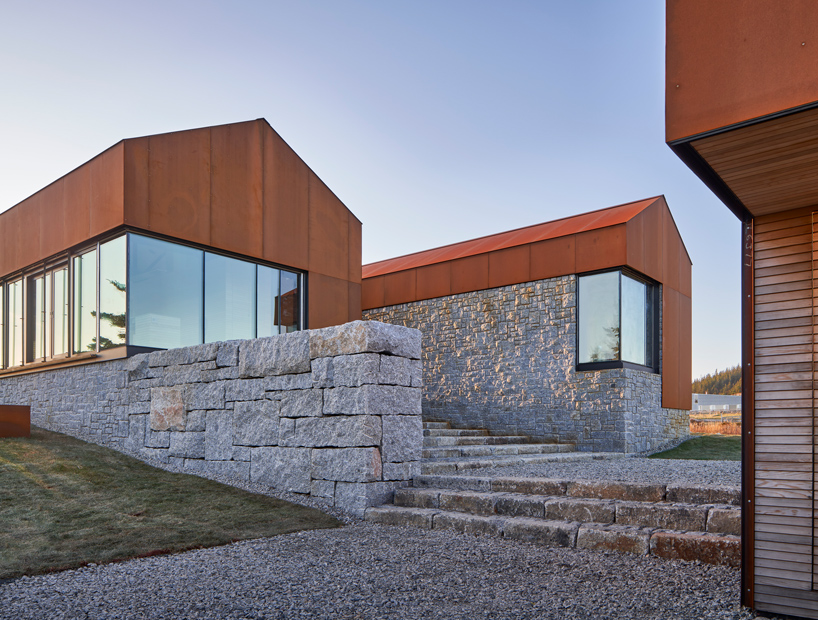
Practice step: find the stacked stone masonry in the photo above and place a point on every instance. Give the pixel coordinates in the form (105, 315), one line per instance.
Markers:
(334, 413)
(504, 359)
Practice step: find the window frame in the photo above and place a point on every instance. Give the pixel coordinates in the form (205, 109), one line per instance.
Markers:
(652, 314)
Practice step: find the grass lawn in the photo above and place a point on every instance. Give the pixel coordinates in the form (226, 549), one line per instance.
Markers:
(705, 448)
(65, 503)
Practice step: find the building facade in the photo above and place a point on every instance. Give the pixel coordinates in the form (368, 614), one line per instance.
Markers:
(554, 331)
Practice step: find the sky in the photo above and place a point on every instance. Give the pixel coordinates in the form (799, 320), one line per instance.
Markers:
(434, 121)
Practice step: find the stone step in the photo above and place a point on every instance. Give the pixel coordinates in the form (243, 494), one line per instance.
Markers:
(710, 518)
(452, 465)
(481, 440)
(492, 450)
(703, 546)
(454, 432)
(431, 425)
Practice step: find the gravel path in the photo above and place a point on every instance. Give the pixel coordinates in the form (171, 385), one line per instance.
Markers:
(720, 473)
(373, 571)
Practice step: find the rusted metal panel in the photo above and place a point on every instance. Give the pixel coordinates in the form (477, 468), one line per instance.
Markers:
(15, 421)
(372, 293)
(77, 205)
(434, 281)
(107, 192)
(735, 60)
(553, 258)
(399, 288)
(509, 266)
(671, 342)
(354, 302)
(135, 182)
(236, 181)
(286, 203)
(179, 185)
(329, 231)
(601, 249)
(9, 249)
(469, 274)
(52, 219)
(29, 242)
(329, 301)
(355, 249)
(684, 377)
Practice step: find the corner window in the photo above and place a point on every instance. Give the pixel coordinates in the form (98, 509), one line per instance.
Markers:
(617, 322)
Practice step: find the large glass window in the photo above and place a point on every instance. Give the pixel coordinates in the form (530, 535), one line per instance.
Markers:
(289, 302)
(59, 278)
(616, 319)
(113, 280)
(166, 304)
(2, 326)
(16, 323)
(267, 302)
(36, 317)
(85, 302)
(230, 298)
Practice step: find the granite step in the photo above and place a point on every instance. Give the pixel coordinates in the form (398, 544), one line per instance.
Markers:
(478, 440)
(454, 432)
(435, 425)
(493, 450)
(455, 464)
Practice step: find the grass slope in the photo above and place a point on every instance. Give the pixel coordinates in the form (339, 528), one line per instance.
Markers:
(65, 503)
(705, 448)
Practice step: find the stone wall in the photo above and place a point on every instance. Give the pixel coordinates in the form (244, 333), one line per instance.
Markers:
(505, 359)
(333, 413)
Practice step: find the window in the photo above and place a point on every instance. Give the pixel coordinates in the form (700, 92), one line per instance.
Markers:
(617, 322)
(16, 323)
(85, 302)
(230, 298)
(113, 288)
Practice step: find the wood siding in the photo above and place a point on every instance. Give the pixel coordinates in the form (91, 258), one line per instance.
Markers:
(785, 248)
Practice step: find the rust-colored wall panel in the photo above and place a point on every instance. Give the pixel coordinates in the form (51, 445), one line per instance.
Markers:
(372, 293)
(470, 274)
(77, 205)
(135, 182)
(329, 231)
(684, 377)
(601, 249)
(671, 357)
(236, 181)
(15, 421)
(734, 60)
(286, 203)
(9, 249)
(355, 249)
(328, 301)
(52, 219)
(553, 258)
(434, 281)
(671, 248)
(354, 302)
(179, 185)
(107, 194)
(399, 288)
(509, 266)
(29, 242)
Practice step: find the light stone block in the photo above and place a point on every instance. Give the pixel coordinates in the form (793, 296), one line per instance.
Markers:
(286, 469)
(189, 445)
(302, 403)
(322, 372)
(356, 370)
(219, 436)
(372, 400)
(337, 431)
(356, 497)
(402, 438)
(204, 396)
(136, 432)
(244, 389)
(323, 489)
(401, 471)
(167, 409)
(255, 423)
(196, 420)
(285, 354)
(365, 337)
(228, 354)
(288, 382)
(346, 464)
(157, 439)
(396, 370)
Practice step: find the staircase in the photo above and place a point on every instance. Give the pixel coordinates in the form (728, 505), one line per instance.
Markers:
(674, 522)
(448, 450)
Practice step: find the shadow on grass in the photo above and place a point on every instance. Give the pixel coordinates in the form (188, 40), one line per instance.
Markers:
(65, 503)
(705, 448)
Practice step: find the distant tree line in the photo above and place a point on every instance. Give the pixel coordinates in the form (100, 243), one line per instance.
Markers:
(720, 382)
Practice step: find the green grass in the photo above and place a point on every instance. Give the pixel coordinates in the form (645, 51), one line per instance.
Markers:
(705, 448)
(65, 503)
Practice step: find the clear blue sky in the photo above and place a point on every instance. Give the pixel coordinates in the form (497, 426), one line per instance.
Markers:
(434, 121)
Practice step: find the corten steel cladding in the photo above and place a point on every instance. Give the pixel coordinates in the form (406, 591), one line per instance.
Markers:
(15, 421)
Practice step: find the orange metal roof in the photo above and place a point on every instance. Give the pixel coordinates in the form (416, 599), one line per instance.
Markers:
(592, 220)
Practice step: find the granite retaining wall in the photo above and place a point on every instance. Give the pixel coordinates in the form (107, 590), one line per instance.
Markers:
(334, 413)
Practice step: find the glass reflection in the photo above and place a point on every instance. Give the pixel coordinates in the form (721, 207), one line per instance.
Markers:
(16, 323)
(2, 325)
(266, 301)
(85, 302)
(599, 317)
(230, 298)
(166, 294)
(60, 338)
(113, 279)
(289, 302)
(634, 314)
(38, 318)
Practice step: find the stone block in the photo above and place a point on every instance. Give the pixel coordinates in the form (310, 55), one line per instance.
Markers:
(356, 370)
(137, 367)
(416, 374)
(199, 353)
(302, 403)
(228, 373)
(157, 439)
(241, 453)
(286, 469)
(417, 498)
(228, 354)
(167, 409)
(288, 382)
(396, 370)
(613, 538)
(372, 400)
(724, 521)
(389, 515)
(237, 470)
(465, 483)
(519, 505)
(401, 471)
(530, 486)
(196, 420)
(204, 396)
(402, 438)
(136, 432)
(627, 491)
(336, 432)
(244, 389)
(356, 497)
(322, 374)
(667, 516)
(688, 494)
(323, 489)
(472, 502)
(541, 532)
(219, 436)
(468, 524)
(256, 423)
(708, 548)
(583, 510)
(346, 464)
(286, 354)
(365, 337)
(188, 445)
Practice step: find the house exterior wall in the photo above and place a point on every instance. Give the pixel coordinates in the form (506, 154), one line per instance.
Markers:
(332, 413)
(505, 359)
